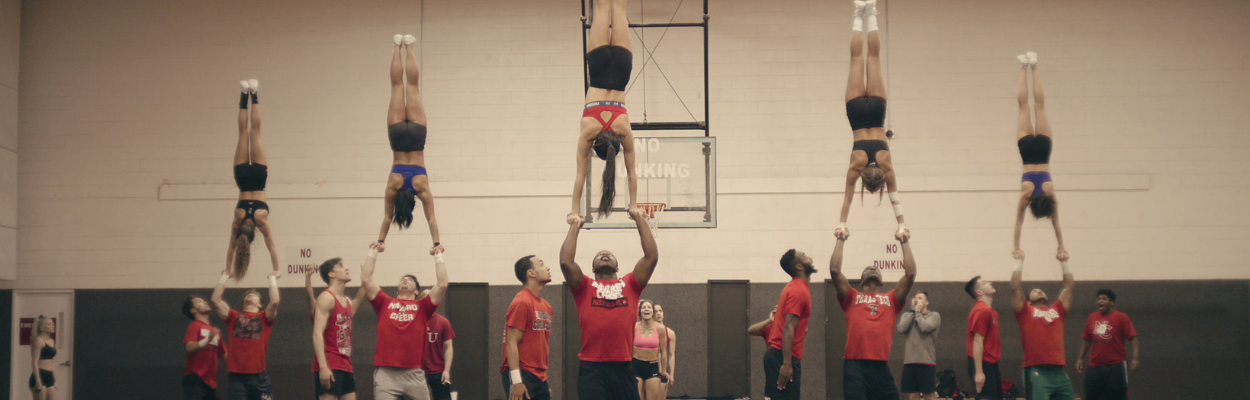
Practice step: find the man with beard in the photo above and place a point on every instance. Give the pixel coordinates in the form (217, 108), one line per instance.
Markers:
(783, 369)
(606, 308)
(1041, 332)
(1105, 333)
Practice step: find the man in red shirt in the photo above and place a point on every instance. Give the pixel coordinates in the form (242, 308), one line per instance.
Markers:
(402, 322)
(1105, 333)
(332, 334)
(438, 356)
(526, 336)
(203, 346)
(606, 309)
(249, 339)
(870, 323)
(985, 347)
(1041, 332)
(783, 368)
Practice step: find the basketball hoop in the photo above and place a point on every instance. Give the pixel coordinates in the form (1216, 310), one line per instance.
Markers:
(652, 212)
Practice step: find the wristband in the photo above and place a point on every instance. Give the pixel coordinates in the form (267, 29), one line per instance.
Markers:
(436, 244)
(842, 225)
(1019, 265)
(273, 280)
(373, 253)
(902, 226)
(438, 257)
(382, 241)
(898, 206)
(516, 376)
(1064, 265)
(222, 280)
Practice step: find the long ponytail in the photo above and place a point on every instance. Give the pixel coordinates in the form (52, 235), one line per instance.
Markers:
(243, 248)
(606, 146)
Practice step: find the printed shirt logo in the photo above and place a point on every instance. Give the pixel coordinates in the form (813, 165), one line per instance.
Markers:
(542, 321)
(205, 332)
(247, 327)
(1103, 329)
(1049, 315)
(344, 338)
(431, 336)
(402, 314)
(609, 295)
(874, 302)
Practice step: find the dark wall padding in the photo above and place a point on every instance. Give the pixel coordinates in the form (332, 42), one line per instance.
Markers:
(467, 308)
(6, 336)
(728, 347)
(1193, 333)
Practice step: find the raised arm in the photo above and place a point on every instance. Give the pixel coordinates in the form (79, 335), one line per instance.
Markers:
(366, 274)
(219, 305)
(572, 272)
(579, 180)
(1023, 204)
(1017, 294)
(358, 300)
(427, 205)
(312, 297)
(835, 268)
(627, 146)
(1069, 285)
(848, 196)
(388, 212)
(275, 296)
(440, 273)
(650, 253)
(234, 227)
(909, 269)
(273, 254)
(1054, 220)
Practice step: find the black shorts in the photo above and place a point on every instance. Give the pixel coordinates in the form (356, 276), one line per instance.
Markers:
(344, 383)
(772, 369)
(866, 112)
(993, 388)
(194, 388)
(867, 380)
(613, 380)
(537, 389)
(406, 136)
(1108, 382)
(609, 67)
(251, 177)
(918, 378)
(249, 386)
(438, 391)
(46, 376)
(646, 369)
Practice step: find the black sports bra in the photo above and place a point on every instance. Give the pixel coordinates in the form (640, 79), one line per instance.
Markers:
(47, 352)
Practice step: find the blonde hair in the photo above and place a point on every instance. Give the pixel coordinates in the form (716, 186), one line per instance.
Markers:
(38, 327)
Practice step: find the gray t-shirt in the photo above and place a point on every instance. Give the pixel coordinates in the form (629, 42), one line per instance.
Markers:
(921, 331)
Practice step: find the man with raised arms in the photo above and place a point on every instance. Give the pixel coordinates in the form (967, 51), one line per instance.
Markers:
(402, 320)
(870, 318)
(1041, 332)
(527, 333)
(606, 309)
(783, 369)
(249, 332)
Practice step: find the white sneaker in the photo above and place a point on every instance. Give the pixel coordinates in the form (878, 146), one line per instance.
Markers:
(253, 85)
(398, 39)
(1032, 59)
(1024, 60)
(870, 8)
(243, 86)
(859, 9)
(409, 39)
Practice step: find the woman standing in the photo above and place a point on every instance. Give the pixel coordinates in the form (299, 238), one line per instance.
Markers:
(42, 351)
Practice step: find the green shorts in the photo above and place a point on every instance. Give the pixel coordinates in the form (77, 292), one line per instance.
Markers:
(1047, 382)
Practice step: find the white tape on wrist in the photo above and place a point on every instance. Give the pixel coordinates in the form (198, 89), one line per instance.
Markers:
(842, 225)
(902, 226)
(898, 206)
(438, 257)
(273, 280)
(1019, 265)
(222, 280)
(1064, 265)
(515, 375)
(373, 253)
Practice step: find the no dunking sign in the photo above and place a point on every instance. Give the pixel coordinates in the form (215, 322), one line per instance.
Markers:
(887, 256)
(299, 260)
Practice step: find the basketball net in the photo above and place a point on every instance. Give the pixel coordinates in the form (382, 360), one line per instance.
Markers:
(652, 212)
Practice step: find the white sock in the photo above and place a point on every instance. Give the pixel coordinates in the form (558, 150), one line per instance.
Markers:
(857, 24)
(870, 16)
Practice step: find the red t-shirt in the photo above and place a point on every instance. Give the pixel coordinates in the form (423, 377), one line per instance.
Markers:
(606, 310)
(338, 337)
(1041, 332)
(984, 320)
(796, 298)
(400, 325)
(437, 331)
(203, 363)
(1107, 334)
(532, 315)
(870, 324)
(249, 341)
(767, 333)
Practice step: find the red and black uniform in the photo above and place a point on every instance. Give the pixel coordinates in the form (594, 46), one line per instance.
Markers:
(199, 374)
(532, 316)
(984, 320)
(1107, 376)
(338, 349)
(1041, 333)
(606, 310)
(796, 299)
(400, 352)
(437, 331)
(249, 343)
(869, 335)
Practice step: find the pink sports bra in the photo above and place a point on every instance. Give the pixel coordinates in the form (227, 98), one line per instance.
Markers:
(644, 342)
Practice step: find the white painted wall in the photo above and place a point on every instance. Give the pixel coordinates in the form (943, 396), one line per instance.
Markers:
(10, 47)
(119, 98)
